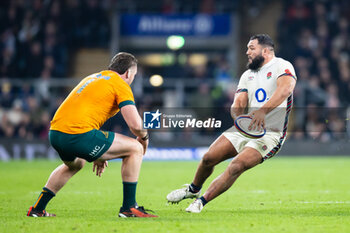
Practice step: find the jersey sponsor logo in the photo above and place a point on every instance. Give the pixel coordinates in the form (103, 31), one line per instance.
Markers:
(250, 78)
(260, 95)
(269, 74)
(96, 150)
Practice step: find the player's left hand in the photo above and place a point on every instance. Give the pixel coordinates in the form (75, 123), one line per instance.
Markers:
(99, 166)
(144, 144)
(258, 119)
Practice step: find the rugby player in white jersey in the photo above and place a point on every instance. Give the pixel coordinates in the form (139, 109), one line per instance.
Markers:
(266, 90)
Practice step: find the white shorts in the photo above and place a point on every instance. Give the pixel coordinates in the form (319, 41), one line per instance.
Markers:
(268, 145)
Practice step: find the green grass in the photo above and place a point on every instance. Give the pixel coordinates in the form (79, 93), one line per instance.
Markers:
(304, 194)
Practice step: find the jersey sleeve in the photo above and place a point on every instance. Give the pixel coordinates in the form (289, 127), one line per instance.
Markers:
(286, 69)
(242, 85)
(124, 95)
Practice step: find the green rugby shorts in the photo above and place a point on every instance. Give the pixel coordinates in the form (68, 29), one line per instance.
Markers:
(89, 146)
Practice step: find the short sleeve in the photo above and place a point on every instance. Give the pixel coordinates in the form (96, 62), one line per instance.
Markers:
(124, 94)
(242, 84)
(286, 69)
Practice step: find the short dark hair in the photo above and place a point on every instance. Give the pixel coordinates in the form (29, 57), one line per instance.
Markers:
(121, 62)
(264, 40)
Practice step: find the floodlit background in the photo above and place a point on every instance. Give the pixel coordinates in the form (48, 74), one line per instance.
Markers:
(191, 55)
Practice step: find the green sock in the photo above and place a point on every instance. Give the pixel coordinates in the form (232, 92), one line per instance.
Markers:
(45, 196)
(129, 194)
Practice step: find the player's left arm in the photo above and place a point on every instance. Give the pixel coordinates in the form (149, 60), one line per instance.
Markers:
(285, 87)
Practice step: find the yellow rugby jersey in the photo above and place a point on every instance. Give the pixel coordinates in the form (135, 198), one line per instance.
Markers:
(92, 102)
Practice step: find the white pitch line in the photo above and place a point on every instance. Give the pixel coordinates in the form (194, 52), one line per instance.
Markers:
(74, 192)
(323, 202)
(292, 191)
(85, 192)
(310, 202)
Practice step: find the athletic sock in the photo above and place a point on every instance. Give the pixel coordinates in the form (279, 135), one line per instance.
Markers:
(129, 195)
(45, 196)
(194, 189)
(204, 202)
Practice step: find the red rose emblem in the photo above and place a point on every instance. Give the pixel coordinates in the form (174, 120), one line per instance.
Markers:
(287, 71)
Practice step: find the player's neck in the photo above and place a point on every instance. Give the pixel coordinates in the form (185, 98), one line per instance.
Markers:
(123, 76)
(126, 79)
(268, 59)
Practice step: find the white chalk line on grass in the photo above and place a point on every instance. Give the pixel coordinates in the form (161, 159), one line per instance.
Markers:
(309, 202)
(85, 192)
(74, 192)
(322, 202)
(236, 191)
(252, 191)
(291, 191)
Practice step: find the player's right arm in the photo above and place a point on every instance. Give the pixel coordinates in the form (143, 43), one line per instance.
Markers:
(239, 104)
(134, 122)
(125, 101)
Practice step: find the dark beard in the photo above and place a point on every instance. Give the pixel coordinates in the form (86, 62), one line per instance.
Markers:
(256, 63)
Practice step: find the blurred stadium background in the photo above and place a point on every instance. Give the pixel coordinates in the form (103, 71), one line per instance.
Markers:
(197, 49)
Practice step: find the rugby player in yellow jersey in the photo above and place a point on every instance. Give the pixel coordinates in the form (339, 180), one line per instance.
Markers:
(75, 134)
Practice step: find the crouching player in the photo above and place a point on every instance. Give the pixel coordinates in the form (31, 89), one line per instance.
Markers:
(75, 134)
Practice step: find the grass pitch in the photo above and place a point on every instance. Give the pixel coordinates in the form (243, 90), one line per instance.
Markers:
(304, 194)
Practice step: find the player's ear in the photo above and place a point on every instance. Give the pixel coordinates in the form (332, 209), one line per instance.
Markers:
(265, 50)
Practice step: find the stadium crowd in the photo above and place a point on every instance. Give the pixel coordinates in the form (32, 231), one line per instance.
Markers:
(37, 37)
(314, 36)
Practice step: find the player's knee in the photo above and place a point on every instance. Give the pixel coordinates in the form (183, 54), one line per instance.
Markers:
(137, 148)
(76, 165)
(236, 167)
(208, 160)
(80, 164)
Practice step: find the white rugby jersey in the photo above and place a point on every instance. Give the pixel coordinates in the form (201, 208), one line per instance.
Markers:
(260, 85)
